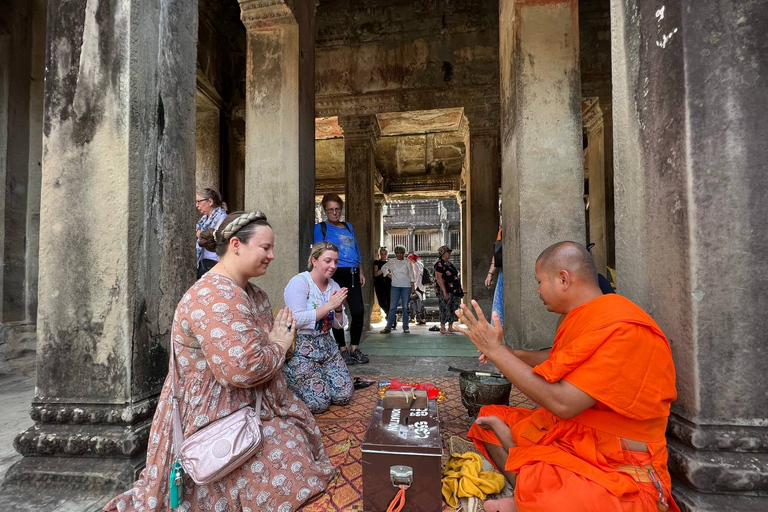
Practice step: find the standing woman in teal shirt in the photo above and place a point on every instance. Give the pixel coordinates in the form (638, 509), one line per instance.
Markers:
(349, 274)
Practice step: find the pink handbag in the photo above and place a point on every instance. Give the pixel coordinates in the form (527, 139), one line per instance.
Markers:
(222, 446)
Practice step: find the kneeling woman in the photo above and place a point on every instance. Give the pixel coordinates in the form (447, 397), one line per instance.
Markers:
(316, 372)
(229, 348)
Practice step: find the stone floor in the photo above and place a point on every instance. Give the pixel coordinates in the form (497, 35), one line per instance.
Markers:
(422, 354)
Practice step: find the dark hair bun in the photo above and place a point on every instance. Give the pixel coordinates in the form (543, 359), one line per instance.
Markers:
(206, 240)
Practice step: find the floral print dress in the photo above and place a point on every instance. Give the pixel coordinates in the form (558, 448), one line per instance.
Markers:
(223, 355)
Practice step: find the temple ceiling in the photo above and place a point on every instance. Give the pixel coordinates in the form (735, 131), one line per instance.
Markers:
(418, 151)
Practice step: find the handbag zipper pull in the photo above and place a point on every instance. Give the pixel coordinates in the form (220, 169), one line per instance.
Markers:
(176, 480)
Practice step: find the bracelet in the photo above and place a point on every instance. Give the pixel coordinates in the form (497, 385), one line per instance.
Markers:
(490, 273)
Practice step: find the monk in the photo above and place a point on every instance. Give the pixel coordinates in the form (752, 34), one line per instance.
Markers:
(605, 387)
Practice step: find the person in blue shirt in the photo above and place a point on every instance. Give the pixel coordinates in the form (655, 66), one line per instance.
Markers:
(349, 274)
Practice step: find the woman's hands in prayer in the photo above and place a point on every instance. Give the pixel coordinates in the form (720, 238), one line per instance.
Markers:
(283, 330)
(337, 298)
(484, 336)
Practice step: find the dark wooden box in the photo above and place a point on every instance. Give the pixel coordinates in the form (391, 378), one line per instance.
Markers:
(403, 437)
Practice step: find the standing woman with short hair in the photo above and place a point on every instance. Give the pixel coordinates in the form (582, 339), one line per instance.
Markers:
(349, 274)
(403, 285)
(208, 202)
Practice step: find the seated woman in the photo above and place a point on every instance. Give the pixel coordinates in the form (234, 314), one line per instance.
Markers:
(316, 372)
(227, 345)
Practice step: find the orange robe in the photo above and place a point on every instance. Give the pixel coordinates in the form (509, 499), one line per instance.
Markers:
(613, 351)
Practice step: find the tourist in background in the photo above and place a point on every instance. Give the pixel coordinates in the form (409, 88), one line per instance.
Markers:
(403, 284)
(349, 274)
(382, 284)
(316, 372)
(227, 346)
(448, 290)
(208, 202)
(420, 293)
(498, 294)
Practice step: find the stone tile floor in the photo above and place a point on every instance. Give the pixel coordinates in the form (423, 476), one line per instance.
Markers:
(421, 354)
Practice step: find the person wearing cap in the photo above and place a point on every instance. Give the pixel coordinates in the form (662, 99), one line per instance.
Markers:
(448, 289)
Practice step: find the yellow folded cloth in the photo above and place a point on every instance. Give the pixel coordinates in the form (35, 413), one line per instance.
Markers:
(463, 477)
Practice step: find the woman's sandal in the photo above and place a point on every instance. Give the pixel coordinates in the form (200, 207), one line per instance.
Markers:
(434, 328)
(360, 384)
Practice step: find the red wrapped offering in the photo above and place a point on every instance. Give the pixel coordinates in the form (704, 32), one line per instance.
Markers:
(433, 392)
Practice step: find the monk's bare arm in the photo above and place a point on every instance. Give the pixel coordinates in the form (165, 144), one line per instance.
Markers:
(560, 398)
(532, 357)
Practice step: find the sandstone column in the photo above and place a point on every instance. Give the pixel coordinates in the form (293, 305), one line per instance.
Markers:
(376, 313)
(117, 196)
(378, 225)
(360, 134)
(541, 147)
(483, 209)
(461, 196)
(280, 136)
(594, 166)
(690, 104)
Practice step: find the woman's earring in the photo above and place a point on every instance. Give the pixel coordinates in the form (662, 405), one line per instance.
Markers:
(237, 253)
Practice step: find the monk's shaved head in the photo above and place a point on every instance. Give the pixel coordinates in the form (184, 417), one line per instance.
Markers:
(569, 256)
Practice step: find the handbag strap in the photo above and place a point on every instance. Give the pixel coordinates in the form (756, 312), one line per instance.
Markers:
(178, 432)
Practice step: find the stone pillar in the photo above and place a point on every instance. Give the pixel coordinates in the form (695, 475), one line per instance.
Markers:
(15, 59)
(376, 313)
(378, 225)
(594, 171)
(445, 232)
(461, 197)
(360, 134)
(541, 147)
(483, 210)
(411, 238)
(690, 103)
(118, 185)
(280, 130)
(207, 144)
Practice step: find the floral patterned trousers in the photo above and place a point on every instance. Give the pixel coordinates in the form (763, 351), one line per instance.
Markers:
(448, 307)
(317, 373)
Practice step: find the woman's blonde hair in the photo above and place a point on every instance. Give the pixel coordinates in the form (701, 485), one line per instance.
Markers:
(318, 250)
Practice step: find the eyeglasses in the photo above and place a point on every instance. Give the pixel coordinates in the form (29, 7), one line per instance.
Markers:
(333, 210)
(198, 201)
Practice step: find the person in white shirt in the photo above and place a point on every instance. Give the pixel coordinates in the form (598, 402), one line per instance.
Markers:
(403, 284)
(316, 372)
(418, 296)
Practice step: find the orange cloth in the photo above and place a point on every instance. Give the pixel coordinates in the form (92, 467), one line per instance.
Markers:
(613, 351)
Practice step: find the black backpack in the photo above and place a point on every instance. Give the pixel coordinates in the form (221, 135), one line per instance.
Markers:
(425, 277)
(324, 229)
(497, 254)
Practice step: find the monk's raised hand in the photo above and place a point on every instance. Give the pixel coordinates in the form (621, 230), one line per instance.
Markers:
(483, 335)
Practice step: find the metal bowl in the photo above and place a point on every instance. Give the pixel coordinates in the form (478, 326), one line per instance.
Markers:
(479, 391)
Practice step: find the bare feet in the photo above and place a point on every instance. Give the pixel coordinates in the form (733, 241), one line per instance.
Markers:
(502, 505)
(501, 429)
